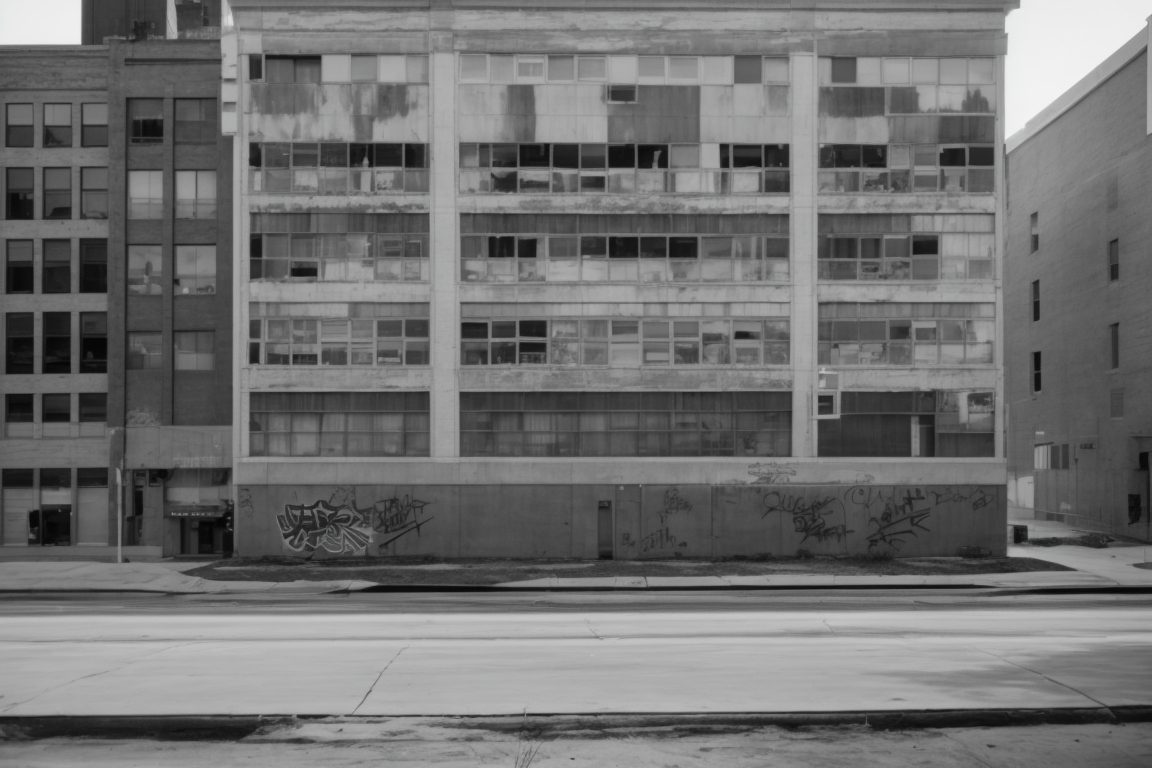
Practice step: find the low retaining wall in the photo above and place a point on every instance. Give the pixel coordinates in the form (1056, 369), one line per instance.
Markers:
(621, 521)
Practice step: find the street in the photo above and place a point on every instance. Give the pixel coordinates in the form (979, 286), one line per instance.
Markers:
(542, 654)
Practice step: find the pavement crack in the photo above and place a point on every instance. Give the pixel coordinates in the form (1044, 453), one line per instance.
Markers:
(595, 634)
(1046, 677)
(968, 750)
(377, 680)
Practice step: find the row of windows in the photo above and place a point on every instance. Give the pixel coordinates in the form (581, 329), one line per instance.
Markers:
(839, 102)
(591, 424)
(570, 424)
(56, 193)
(195, 267)
(623, 258)
(56, 342)
(534, 68)
(191, 351)
(337, 168)
(57, 124)
(339, 68)
(907, 257)
(1113, 348)
(196, 121)
(339, 424)
(904, 168)
(61, 414)
(333, 258)
(625, 342)
(195, 194)
(894, 70)
(646, 156)
(338, 341)
(56, 266)
(55, 478)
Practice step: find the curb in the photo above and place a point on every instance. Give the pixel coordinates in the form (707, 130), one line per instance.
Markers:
(540, 726)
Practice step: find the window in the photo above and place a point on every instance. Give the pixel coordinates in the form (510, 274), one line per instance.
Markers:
(93, 125)
(1034, 227)
(1042, 456)
(57, 272)
(18, 130)
(571, 424)
(145, 121)
(18, 415)
(93, 193)
(255, 66)
(622, 94)
(843, 70)
(748, 69)
(18, 269)
(1113, 260)
(1035, 300)
(57, 125)
(56, 408)
(92, 477)
(57, 193)
(93, 342)
(93, 407)
(337, 168)
(195, 194)
(1036, 371)
(144, 351)
(19, 344)
(93, 266)
(145, 194)
(365, 69)
(145, 268)
(195, 270)
(194, 350)
(1114, 345)
(292, 69)
(57, 342)
(339, 424)
(900, 334)
(19, 193)
(196, 121)
(347, 334)
(924, 424)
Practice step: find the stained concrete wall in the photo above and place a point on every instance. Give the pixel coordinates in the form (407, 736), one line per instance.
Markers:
(648, 522)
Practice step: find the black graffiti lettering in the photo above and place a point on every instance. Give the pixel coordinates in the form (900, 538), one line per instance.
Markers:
(770, 473)
(658, 539)
(320, 526)
(397, 517)
(809, 516)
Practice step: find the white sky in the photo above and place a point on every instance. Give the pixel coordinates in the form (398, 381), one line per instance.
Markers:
(1051, 43)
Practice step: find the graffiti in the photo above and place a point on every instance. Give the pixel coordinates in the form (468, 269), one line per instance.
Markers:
(659, 539)
(339, 530)
(895, 516)
(397, 517)
(975, 497)
(245, 505)
(340, 526)
(865, 478)
(674, 502)
(809, 516)
(770, 473)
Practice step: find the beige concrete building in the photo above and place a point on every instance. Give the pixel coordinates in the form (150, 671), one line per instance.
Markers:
(1077, 281)
(593, 279)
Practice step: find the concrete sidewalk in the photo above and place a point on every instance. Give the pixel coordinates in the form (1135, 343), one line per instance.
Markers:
(1108, 568)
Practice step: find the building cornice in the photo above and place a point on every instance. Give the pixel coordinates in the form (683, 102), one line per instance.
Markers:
(872, 6)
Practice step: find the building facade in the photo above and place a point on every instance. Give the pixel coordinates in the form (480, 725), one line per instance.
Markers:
(117, 303)
(578, 280)
(1076, 285)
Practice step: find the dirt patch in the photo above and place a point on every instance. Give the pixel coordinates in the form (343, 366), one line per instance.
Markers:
(1094, 540)
(487, 572)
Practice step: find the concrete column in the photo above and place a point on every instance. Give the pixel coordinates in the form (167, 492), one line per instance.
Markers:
(805, 89)
(445, 267)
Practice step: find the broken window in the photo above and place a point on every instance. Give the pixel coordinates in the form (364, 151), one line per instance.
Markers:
(145, 121)
(57, 125)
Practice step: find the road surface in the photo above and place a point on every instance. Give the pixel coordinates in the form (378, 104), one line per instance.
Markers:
(382, 655)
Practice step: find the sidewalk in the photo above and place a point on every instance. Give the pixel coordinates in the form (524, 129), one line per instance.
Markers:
(1109, 568)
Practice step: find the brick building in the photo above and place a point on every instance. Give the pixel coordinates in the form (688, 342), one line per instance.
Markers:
(1077, 280)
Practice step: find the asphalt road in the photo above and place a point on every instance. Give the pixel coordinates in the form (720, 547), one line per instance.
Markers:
(388, 655)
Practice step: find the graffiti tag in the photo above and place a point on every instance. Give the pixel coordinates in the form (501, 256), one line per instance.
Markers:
(397, 517)
(321, 526)
(810, 517)
(770, 473)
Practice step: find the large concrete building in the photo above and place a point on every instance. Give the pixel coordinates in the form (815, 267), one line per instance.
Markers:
(1077, 281)
(117, 300)
(584, 279)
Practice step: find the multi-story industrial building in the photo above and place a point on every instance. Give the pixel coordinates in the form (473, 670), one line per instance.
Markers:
(621, 280)
(116, 235)
(1077, 280)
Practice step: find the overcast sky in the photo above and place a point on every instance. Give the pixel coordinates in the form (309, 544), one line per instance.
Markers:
(1051, 44)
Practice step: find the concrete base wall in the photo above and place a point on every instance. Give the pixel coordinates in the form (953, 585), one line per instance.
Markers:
(627, 521)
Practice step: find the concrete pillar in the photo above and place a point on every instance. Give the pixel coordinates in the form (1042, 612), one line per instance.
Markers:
(445, 267)
(805, 90)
